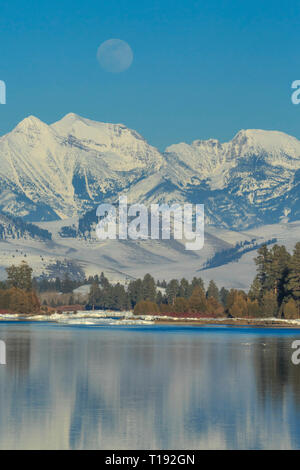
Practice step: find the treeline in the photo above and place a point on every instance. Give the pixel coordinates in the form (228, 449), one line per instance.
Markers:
(147, 297)
(275, 292)
(16, 293)
(235, 253)
(276, 287)
(15, 227)
(66, 285)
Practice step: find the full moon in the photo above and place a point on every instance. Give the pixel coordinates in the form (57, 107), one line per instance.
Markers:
(115, 55)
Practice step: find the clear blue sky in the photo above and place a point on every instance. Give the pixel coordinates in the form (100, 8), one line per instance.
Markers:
(201, 69)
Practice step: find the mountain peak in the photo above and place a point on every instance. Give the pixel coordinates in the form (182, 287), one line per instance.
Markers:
(100, 133)
(267, 141)
(30, 121)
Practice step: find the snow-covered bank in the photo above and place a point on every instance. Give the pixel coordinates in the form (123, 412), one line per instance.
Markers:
(104, 317)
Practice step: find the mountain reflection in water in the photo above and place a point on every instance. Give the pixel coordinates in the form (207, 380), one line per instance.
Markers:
(156, 387)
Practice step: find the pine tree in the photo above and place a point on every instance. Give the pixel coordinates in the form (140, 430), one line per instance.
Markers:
(255, 292)
(159, 298)
(213, 291)
(20, 276)
(103, 281)
(269, 307)
(66, 285)
(253, 308)
(185, 289)
(172, 290)
(223, 296)
(214, 307)
(237, 303)
(197, 301)
(263, 262)
(197, 282)
(290, 309)
(94, 294)
(120, 297)
(135, 292)
(293, 277)
(280, 259)
(57, 284)
(149, 288)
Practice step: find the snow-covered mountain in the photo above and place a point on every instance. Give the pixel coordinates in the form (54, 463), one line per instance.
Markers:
(62, 170)
(68, 168)
(249, 181)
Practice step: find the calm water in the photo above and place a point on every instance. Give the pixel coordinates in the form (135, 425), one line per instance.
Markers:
(152, 387)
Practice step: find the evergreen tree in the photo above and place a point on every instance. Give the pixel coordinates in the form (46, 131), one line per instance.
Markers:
(293, 277)
(20, 276)
(280, 259)
(253, 308)
(197, 282)
(255, 292)
(103, 281)
(149, 288)
(223, 296)
(214, 307)
(4, 298)
(185, 289)
(120, 297)
(290, 309)
(159, 298)
(172, 290)
(197, 301)
(94, 294)
(135, 292)
(263, 262)
(66, 285)
(57, 284)
(269, 307)
(213, 291)
(237, 303)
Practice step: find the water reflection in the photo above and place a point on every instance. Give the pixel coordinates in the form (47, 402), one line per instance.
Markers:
(153, 388)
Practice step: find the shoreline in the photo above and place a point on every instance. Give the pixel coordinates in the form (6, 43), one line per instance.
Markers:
(259, 322)
(157, 320)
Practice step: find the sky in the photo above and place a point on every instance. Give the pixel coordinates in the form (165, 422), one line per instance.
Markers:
(201, 69)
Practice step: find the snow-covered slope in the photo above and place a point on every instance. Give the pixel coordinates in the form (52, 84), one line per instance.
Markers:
(14, 228)
(244, 182)
(212, 160)
(65, 169)
(68, 168)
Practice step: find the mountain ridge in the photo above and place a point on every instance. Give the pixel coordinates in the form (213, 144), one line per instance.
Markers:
(67, 168)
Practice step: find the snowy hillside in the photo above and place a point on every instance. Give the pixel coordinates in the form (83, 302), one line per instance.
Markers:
(14, 228)
(123, 260)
